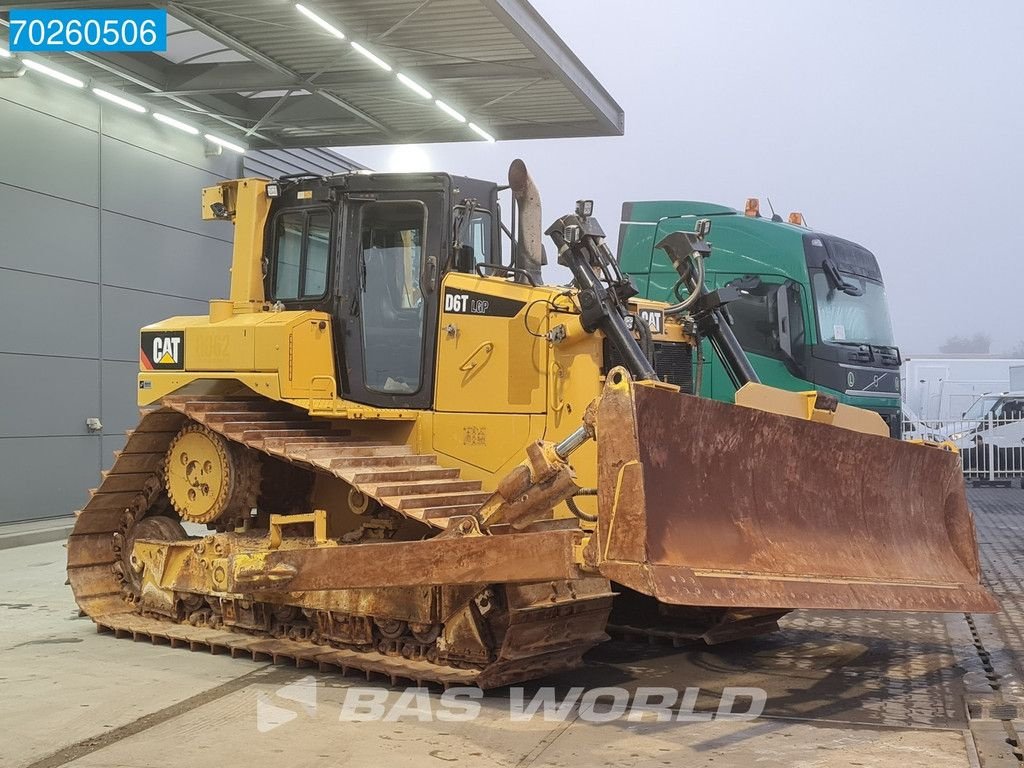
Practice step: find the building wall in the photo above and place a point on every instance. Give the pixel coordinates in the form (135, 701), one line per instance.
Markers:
(99, 215)
(100, 233)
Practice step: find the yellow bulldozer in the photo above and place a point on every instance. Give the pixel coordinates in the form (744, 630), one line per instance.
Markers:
(390, 451)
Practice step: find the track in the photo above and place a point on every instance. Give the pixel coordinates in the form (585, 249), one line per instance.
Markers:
(414, 485)
(538, 630)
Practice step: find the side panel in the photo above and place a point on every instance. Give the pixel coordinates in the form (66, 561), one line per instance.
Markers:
(491, 354)
(294, 349)
(486, 445)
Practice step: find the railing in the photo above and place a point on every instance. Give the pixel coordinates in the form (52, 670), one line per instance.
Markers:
(991, 449)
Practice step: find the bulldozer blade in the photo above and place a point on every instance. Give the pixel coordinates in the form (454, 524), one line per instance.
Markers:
(704, 503)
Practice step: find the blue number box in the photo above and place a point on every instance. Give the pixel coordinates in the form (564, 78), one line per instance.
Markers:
(88, 29)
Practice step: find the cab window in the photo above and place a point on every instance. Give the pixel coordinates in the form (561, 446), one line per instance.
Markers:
(391, 238)
(474, 231)
(301, 251)
(754, 316)
(756, 320)
(1010, 410)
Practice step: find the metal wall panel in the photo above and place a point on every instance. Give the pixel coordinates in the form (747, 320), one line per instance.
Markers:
(125, 311)
(159, 139)
(46, 397)
(155, 188)
(109, 444)
(46, 476)
(100, 234)
(43, 95)
(140, 254)
(36, 231)
(119, 390)
(42, 315)
(48, 155)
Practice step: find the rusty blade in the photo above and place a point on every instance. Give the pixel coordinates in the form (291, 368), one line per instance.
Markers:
(709, 504)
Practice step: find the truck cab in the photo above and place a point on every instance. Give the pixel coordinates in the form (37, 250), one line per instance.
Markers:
(812, 312)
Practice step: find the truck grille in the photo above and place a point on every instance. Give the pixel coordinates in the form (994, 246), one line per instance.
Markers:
(673, 362)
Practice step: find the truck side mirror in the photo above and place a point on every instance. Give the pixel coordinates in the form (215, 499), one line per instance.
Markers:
(784, 327)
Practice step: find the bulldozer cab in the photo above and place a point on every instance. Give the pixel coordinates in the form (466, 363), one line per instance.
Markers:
(371, 250)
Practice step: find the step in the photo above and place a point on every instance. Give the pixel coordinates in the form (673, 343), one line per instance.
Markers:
(404, 474)
(380, 462)
(414, 487)
(424, 501)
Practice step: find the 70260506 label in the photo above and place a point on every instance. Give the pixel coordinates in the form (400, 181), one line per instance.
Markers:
(85, 29)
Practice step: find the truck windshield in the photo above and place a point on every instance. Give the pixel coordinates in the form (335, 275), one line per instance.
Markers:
(980, 408)
(843, 318)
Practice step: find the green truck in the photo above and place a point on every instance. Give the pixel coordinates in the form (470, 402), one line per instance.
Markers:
(812, 312)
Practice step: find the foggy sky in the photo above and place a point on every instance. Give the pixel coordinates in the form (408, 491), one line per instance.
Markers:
(897, 125)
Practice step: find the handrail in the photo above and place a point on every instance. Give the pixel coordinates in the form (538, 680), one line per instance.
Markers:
(507, 270)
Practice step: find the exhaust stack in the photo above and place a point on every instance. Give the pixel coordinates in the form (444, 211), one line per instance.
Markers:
(530, 250)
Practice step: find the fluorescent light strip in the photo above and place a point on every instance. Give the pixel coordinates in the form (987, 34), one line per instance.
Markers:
(226, 144)
(449, 111)
(119, 100)
(126, 103)
(481, 132)
(176, 123)
(372, 57)
(414, 86)
(317, 20)
(42, 68)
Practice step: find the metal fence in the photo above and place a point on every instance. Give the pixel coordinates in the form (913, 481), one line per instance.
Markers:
(991, 449)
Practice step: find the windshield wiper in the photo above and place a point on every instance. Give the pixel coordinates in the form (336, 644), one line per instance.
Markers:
(837, 281)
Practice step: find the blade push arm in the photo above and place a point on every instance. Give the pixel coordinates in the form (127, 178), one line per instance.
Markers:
(708, 310)
(581, 247)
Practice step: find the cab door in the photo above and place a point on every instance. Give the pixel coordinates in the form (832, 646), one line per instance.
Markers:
(492, 352)
(387, 312)
(492, 372)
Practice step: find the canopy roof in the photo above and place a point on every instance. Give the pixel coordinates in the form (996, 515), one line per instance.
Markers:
(268, 75)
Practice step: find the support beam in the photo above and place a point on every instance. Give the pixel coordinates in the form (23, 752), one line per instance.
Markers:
(506, 132)
(148, 78)
(268, 63)
(538, 36)
(342, 88)
(234, 77)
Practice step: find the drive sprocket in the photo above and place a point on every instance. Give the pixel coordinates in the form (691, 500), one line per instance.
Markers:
(210, 479)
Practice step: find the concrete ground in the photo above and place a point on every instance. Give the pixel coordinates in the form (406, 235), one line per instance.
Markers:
(867, 690)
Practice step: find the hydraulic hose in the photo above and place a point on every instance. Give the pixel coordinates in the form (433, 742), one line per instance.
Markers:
(571, 504)
(646, 340)
(698, 261)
